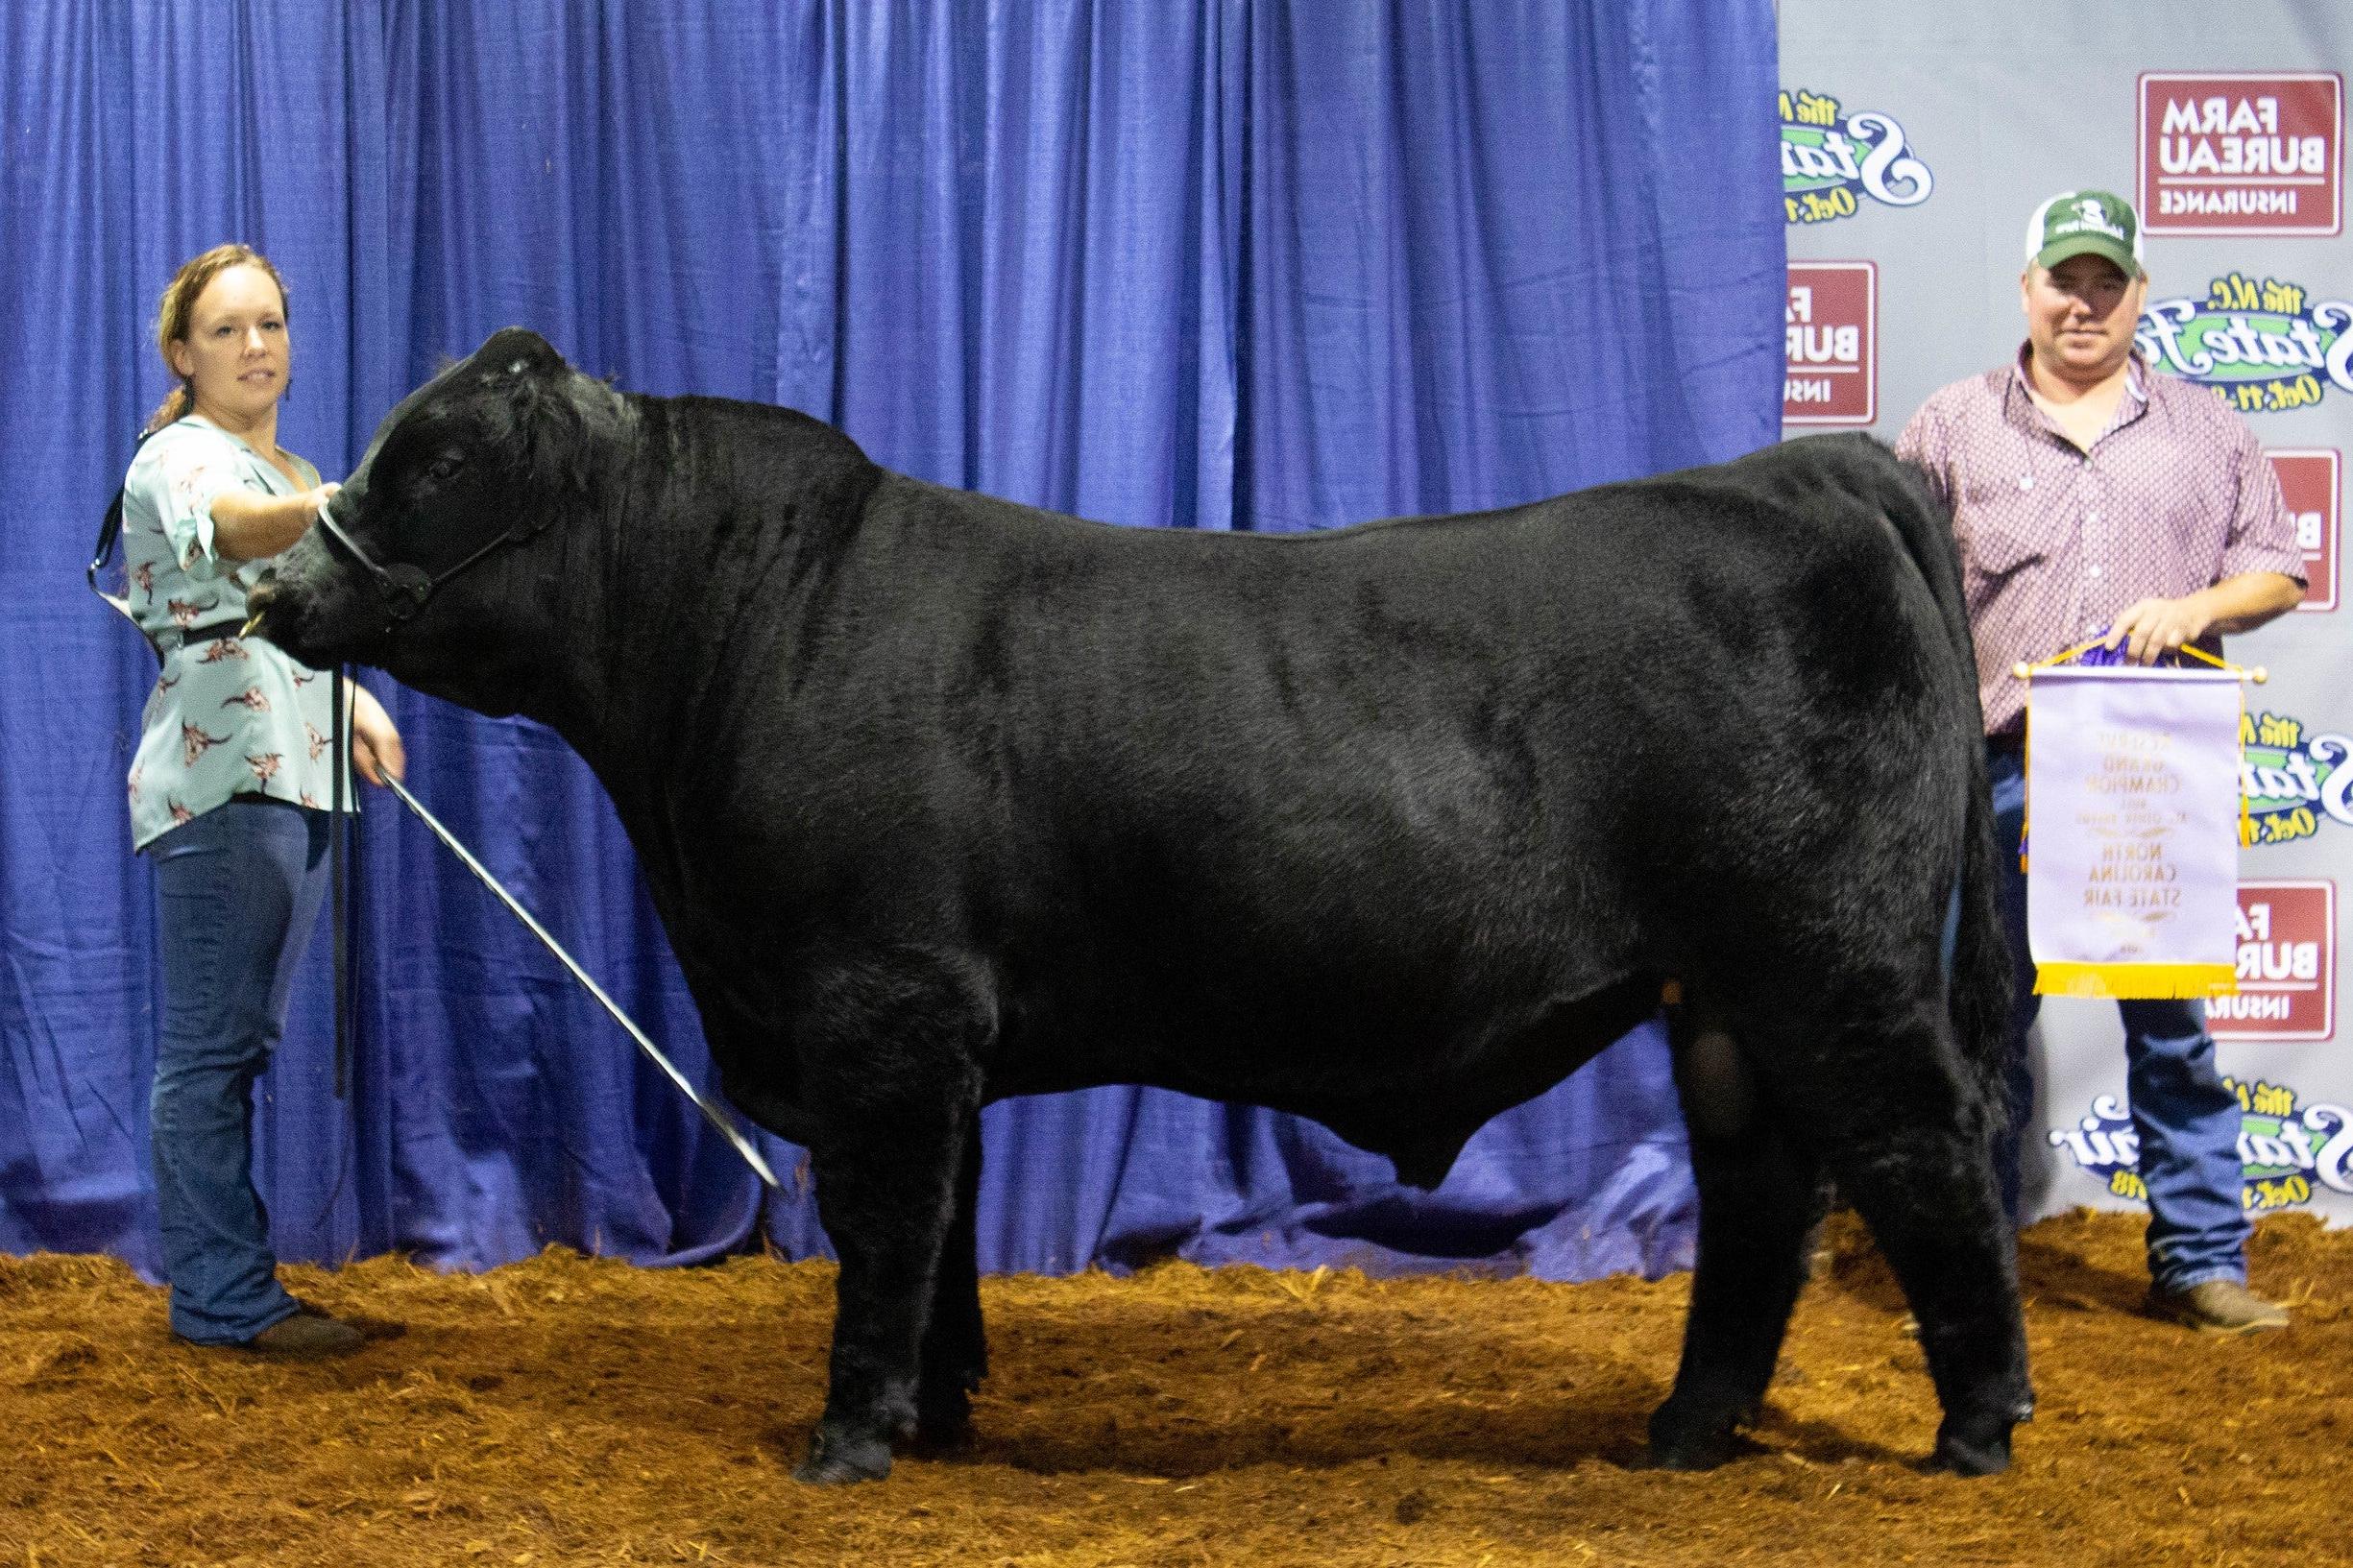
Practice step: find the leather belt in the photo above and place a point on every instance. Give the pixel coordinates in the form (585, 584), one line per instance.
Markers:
(213, 633)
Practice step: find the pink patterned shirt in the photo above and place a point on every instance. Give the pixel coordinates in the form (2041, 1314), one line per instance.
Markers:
(2173, 497)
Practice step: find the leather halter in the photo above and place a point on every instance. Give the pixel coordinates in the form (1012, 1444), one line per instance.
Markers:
(403, 588)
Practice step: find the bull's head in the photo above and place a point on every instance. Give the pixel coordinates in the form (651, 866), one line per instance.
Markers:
(436, 560)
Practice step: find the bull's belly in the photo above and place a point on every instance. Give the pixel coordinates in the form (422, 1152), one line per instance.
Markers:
(1413, 1090)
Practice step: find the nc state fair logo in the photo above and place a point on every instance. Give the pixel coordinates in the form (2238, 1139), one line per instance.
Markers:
(2284, 1148)
(2293, 780)
(1831, 159)
(2264, 347)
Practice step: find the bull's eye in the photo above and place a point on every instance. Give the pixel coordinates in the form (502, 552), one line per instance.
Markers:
(442, 468)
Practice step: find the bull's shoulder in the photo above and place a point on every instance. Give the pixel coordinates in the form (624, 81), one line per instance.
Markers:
(1827, 484)
(727, 426)
(714, 460)
(1850, 462)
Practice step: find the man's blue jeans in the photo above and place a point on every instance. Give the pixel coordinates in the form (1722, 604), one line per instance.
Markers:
(2188, 1122)
(237, 890)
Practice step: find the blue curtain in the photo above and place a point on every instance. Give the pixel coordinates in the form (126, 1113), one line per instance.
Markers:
(1235, 265)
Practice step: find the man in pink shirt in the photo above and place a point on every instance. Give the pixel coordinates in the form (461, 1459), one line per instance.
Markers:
(2093, 498)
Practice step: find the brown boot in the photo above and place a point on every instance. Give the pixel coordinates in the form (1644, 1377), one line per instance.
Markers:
(306, 1337)
(2218, 1305)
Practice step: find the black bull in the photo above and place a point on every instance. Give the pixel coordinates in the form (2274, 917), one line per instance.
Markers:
(943, 799)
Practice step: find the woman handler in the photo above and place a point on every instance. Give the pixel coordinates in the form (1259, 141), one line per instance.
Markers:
(230, 789)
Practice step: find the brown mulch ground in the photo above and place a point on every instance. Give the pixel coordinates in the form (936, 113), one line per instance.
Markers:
(576, 1411)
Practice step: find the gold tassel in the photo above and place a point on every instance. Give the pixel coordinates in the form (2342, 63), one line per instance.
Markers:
(2135, 982)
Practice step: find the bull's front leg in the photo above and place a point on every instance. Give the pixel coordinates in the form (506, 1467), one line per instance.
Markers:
(897, 1089)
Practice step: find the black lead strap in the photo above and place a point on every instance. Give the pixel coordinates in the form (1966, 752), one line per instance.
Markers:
(110, 530)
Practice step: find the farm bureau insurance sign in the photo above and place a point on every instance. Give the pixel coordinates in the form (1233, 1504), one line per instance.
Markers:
(1831, 162)
(1830, 324)
(2309, 484)
(2287, 965)
(2242, 153)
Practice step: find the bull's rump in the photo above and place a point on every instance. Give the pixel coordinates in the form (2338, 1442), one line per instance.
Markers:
(1282, 819)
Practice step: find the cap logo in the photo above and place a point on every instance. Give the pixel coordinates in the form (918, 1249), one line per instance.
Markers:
(2090, 217)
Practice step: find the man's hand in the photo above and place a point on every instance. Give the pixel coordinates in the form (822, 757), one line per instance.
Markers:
(2155, 627)
(375, 743)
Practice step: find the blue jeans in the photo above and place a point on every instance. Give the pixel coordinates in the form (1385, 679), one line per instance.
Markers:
(2188, 1122)
(237, 890)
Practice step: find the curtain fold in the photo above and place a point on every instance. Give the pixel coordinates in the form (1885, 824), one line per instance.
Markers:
(1237, 265)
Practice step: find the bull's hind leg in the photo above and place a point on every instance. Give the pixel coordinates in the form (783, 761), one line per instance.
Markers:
(889, 1060)
(954, 1344)
(1755, 1205)
(1909, 1149)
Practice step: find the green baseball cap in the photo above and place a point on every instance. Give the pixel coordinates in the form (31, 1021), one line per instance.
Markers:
(2085, 223)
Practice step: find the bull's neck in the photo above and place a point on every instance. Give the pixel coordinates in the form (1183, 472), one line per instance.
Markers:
(695, 565)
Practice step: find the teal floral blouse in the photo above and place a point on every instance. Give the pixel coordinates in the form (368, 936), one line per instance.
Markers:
(227, 716)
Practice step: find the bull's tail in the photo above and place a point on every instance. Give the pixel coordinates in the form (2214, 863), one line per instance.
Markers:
(1981, 983)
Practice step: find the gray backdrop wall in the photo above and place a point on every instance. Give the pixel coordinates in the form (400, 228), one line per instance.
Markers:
(1915, 142)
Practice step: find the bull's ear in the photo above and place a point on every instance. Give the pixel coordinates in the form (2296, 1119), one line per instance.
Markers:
(516, 350)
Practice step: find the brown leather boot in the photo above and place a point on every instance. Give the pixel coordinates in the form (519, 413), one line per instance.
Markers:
(308, 1336)
(2218, 1305)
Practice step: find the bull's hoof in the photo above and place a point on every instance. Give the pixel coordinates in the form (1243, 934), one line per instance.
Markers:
(943, 1424)
(1680, 1442)
(835, 1460)
(1971, 1455)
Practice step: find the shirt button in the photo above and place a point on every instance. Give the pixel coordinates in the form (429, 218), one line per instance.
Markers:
(2025, 481)
(2091, 517)
(2091, 571)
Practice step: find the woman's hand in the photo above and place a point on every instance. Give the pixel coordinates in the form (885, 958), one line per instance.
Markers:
(375, 742)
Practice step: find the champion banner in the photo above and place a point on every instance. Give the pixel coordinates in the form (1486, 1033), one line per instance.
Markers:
(2132, 806)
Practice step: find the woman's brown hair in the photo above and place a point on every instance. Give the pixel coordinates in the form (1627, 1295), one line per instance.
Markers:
(178, 304)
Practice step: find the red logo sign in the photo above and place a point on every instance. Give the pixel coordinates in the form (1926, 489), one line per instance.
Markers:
(2242, 153)
(2308, 479)
(2287, 965)
(1832, 319)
